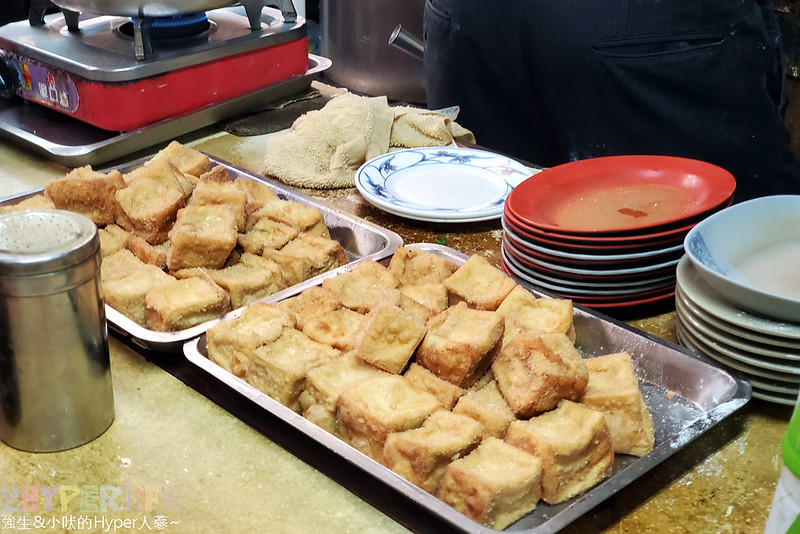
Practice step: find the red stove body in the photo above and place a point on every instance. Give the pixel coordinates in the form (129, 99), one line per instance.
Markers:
(108, 74)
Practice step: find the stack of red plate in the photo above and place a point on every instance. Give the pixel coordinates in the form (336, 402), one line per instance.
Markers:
(608, 232)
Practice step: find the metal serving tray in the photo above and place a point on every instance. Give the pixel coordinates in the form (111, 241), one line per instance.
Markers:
(685, 395)
(361, 240)
(75, 143)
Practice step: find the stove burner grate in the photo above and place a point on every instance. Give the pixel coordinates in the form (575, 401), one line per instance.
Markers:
(173, 27)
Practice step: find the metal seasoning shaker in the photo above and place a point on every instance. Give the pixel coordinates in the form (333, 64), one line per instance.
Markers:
(55, 377)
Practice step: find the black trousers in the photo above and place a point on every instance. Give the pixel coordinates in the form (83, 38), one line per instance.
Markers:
(551, 81)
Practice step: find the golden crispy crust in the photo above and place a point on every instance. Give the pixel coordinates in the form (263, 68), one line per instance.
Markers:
(181, 304)
(536, 371)
(279, 367)
(186, 159)
(203, 236)
(388, 337)
(368, 412)
(613, 389)
(461, 343)
(415, 267)
(35, 202)
(421, 455)
(87, 192)
(221, 194)
(148, 208)
(230, 344)
(496, 484)
(487, 406)
(574, 444)
(362, 288)
(447, 393)
(325, 383)
(321, 253)
(337, 328)
(480, 284)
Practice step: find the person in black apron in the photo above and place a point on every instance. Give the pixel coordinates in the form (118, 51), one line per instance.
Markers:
(552, 81)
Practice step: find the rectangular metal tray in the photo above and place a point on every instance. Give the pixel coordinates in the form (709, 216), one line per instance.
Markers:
(75, 143)
(360, 238)
(686, 397)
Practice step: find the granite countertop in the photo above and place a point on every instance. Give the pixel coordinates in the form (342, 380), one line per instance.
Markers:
(209, 467)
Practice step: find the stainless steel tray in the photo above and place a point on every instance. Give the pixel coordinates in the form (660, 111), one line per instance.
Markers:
(361, 240)
(686, 397)
(75, 143)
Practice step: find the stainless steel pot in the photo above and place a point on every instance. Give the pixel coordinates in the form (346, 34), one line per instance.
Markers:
(355, 37)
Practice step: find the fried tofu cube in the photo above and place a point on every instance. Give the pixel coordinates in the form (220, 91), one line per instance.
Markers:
(536, 371)
(230, 344)
(461, 343)
(495, 485)
(421, 455)
(417, 311)
(295, 269)
(126, 282)
(388, 337)
(34, 202)
(88, 192)
(432, 296)
(152, 254)
(488, 407)
(322, 254)
(161, 170)
(613, 390)
(368, 412)
(187, 159)
(218, 174)
(112, 239)
(252, 279)
(574, 444)
(415, 267)
(148, 208)
(527, 312)
(305, 218)
(362, 288)
(182, 304)
(425, 380)
(337, 328)
(267, 234)
(258, 194)
(203, 236)
(480, 284)
(312, 302)
(279, 368)
(221, 194)
(325, 383)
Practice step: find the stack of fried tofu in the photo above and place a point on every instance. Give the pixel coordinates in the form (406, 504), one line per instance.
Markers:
(183, 242)
(453, 376)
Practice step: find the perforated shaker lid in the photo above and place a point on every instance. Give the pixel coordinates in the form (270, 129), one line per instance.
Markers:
(37, 242)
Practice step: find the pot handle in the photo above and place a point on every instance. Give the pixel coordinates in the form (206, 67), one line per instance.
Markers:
(408, 43)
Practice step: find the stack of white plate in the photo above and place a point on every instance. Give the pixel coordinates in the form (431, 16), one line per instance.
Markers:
(765, 351)
(738, 293)
(608, 232)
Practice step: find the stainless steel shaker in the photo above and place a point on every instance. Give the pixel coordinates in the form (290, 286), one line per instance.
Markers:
(55, 377)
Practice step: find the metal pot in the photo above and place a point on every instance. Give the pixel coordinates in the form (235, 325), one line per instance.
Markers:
(355, 37)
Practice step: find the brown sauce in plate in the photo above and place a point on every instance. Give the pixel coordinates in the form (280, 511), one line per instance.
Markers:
(628, 206)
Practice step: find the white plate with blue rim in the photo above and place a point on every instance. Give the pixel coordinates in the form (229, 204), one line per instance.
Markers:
(441, 184)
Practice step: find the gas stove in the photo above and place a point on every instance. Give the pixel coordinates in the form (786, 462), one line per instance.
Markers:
(121, 73)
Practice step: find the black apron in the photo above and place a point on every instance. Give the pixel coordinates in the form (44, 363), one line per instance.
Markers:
(551, 81)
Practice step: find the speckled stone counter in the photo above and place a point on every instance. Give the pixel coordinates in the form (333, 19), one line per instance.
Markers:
(175, 461)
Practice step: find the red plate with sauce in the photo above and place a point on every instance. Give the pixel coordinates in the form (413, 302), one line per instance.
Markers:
(618, 195)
